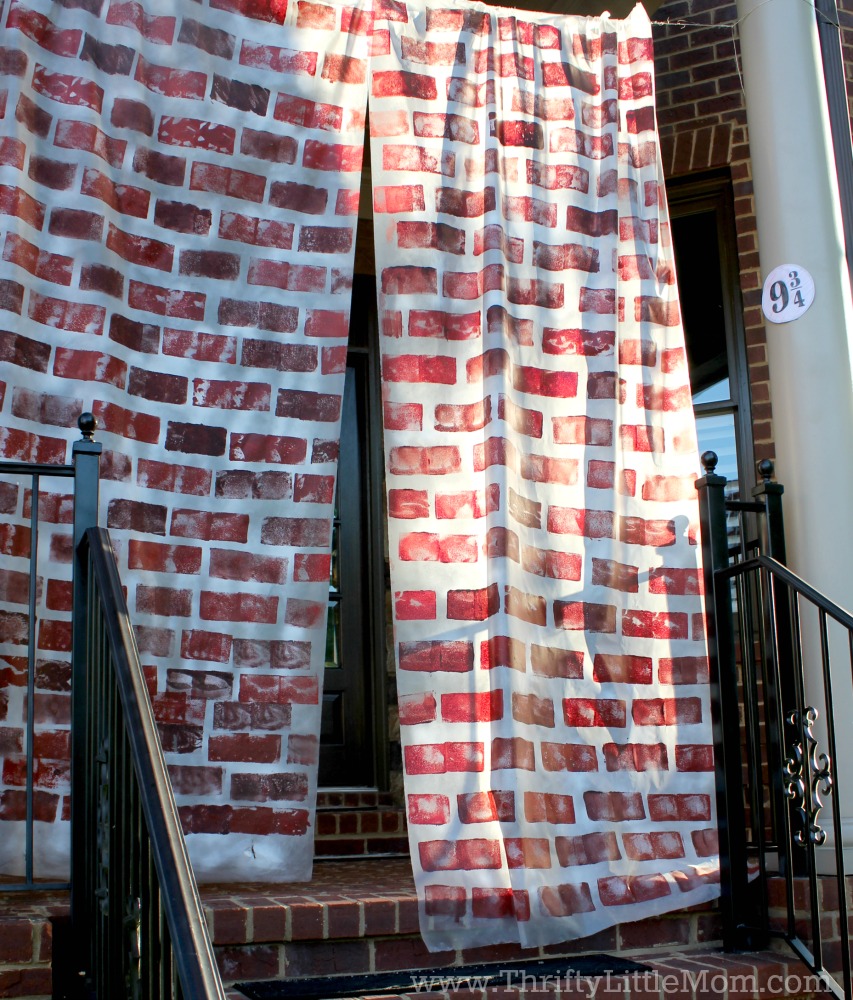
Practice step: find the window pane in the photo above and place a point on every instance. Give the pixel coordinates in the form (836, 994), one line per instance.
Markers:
(719, 392)
(716, 432)
(333, 637)
(334, 576)
(700, 286)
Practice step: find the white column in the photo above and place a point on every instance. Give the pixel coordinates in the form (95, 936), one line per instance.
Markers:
(811, 377)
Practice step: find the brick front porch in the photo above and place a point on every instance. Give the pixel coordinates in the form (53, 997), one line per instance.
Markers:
(361, 916)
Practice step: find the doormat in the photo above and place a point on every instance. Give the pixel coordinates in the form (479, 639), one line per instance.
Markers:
(537, 974)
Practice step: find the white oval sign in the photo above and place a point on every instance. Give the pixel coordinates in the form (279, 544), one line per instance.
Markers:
(788, 293)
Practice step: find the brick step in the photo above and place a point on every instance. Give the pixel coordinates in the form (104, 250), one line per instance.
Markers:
(356, 849)
(691, 975)
(26, 941)
(356, 823)
(353, 798)
(364, 832)
(362, 916)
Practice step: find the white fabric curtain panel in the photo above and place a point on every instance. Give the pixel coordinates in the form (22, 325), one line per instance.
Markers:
(541, 458)
(179, 187)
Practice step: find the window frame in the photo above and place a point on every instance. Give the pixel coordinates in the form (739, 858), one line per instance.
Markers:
(712, 192)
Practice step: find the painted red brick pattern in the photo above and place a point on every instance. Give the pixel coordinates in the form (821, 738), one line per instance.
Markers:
(540, 497)
(178, 215)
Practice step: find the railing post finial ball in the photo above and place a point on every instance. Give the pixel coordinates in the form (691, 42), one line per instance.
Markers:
(765, 469)
(87, 424)
(709, 462)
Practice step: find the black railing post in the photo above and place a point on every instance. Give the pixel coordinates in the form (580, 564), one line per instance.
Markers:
(86, 456)
(86, 459)
(731, 813)
(772, 526)
(783, 700)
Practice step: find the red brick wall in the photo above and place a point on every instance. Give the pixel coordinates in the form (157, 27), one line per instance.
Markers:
(702, 123)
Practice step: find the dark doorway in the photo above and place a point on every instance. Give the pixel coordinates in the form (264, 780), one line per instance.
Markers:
(353, 728)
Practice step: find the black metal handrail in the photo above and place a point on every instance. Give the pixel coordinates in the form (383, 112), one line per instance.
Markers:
(137, 918)
(786, 576)
(770, 776)
(807, 774)
(84, 471)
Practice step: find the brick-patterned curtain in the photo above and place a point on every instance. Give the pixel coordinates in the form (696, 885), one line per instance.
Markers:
(541, 455)
(178, 193)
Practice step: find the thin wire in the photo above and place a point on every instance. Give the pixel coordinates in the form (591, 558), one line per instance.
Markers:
(737, 59)
(674, 23)
(724, 25)
(734, 25)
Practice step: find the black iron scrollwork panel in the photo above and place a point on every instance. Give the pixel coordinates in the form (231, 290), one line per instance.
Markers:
(807, 778)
